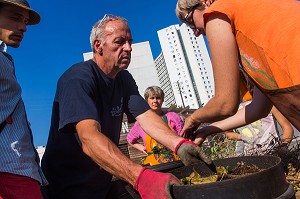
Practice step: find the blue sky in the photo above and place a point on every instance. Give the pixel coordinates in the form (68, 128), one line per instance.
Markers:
(58, 42)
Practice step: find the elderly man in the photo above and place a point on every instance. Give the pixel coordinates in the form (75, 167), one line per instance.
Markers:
(81, 154)
(20, 174)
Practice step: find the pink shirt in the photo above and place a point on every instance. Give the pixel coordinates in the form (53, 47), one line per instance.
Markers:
(136, 132)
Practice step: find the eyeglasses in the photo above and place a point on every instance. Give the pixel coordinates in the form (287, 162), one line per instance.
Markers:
(191, 22)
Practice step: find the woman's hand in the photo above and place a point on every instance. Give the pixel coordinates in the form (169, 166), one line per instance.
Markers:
(199, 136)
(139, 147)
(189, 127)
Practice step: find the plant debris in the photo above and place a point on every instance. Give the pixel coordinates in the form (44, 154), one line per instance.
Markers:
(290, 157)
(195, 178)
(293, 176)
(223, 173)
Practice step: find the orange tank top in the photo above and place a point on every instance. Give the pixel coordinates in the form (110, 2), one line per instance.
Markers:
(268, 38)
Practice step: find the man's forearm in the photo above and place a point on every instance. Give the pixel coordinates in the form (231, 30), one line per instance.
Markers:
(154, 125)
(108, 156)
(105, 153)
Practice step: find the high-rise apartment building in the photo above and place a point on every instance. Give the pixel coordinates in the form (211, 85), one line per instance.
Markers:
(186, 61)
(164, 81)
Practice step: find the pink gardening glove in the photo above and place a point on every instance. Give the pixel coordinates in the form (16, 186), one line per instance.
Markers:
(153, 185)
(190, 153)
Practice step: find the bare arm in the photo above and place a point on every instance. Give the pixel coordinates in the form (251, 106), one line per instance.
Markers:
(104, 152)
(287, 129)
(154, 125)
(233, 136)
(224, 56)
(259, 107)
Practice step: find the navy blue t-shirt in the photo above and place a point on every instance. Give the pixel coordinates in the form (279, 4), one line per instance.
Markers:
(85, 92)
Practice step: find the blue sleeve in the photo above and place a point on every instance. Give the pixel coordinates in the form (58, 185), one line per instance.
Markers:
(76, 102)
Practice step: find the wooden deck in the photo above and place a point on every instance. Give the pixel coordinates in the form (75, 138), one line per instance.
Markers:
(132, 153)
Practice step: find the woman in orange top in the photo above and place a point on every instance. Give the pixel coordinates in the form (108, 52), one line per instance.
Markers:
(262, 36)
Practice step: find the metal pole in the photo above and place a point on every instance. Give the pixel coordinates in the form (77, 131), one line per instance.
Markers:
(180, 93)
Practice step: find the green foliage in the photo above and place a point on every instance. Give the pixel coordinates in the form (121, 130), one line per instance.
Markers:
(219, 147)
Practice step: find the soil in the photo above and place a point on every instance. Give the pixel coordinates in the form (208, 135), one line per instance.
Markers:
(243, 169)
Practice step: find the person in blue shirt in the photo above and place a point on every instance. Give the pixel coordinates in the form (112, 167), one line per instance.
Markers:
(20, 174)
(81, 154)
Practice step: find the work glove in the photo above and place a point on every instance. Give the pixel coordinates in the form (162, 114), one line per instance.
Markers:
(152, 185)
(191, 153)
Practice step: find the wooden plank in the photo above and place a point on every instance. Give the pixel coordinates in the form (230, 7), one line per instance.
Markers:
(135, 155)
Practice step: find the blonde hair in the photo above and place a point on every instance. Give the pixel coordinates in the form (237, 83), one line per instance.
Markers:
(183, 5)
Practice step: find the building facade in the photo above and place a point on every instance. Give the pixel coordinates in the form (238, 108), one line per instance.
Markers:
(164, 81)
(188, 65)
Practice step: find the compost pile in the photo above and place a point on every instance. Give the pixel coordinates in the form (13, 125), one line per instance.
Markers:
(219, 147)
(293, 176)
(223, 173)
(243, 169)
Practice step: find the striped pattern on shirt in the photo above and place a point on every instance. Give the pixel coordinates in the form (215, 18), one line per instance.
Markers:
(18, 154)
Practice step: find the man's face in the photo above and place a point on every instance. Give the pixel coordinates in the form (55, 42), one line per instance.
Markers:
(117, 46)
(13, 21)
